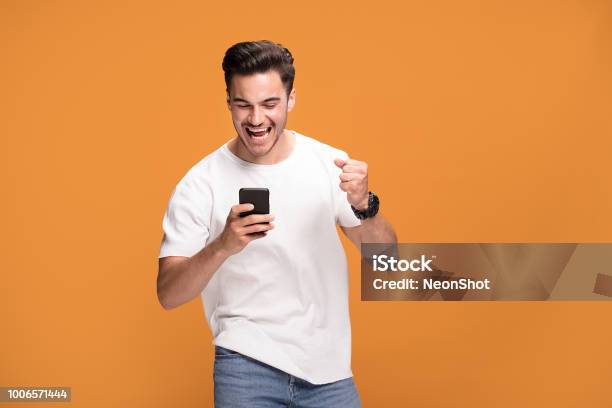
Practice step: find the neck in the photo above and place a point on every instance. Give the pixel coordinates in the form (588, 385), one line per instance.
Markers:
(281, 150)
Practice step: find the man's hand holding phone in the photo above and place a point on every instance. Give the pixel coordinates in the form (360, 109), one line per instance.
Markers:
(239, 231)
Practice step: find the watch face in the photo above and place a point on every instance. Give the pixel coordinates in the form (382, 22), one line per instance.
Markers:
(372, 205)
(372, 209)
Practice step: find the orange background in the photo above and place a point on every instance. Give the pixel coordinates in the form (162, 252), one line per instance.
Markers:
(480, 121)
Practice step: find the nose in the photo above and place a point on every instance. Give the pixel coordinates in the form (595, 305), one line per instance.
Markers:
(256, 116)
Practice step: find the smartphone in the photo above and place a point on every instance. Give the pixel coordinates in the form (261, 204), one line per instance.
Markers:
(259, 197)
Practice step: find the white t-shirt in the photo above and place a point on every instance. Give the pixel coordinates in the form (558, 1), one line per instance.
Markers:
(283, 299)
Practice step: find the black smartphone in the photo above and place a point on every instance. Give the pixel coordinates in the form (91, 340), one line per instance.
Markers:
(259, 197)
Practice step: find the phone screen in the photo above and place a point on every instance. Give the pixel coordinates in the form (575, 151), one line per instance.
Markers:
(259, 197)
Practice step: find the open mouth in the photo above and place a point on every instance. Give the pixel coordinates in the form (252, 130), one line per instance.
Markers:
(258, 132)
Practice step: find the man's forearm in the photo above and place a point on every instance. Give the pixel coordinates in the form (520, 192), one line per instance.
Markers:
(186, 280)
(377, 229)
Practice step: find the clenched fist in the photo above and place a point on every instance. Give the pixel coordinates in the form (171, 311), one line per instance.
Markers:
(354, 180)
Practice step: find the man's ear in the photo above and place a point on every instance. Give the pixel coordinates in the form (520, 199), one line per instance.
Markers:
(227, 100)
(291, 101)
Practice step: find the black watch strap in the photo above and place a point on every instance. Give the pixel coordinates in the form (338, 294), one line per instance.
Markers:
(371, 211)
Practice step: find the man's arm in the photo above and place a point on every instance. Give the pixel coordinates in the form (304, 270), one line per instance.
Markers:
(181, 279)
(354, 181)
(376, 230)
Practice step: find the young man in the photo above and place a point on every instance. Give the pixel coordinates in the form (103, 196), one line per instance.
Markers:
(274, 286)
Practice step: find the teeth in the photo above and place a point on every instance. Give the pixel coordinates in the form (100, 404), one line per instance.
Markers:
(258, 132)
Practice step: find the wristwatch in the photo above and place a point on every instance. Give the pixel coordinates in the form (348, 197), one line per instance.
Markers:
(372, 209)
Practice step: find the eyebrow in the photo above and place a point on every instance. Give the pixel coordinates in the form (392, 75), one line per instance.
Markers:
(267, 100)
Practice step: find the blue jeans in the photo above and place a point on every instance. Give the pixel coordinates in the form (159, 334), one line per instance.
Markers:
(241, 381)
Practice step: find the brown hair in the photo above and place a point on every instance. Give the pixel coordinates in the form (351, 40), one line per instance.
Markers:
(250, 57)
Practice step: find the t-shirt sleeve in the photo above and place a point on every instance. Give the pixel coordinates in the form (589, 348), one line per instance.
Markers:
(185, 224)
(344, 213)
